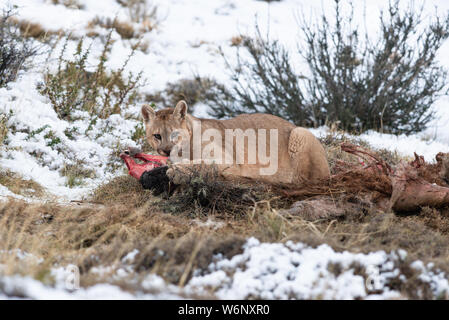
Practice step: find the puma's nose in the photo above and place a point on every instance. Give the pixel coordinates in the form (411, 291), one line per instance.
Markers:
(164, 152)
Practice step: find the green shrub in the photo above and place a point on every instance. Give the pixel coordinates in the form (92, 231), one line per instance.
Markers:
(51, 139)
(100, 92)
(4, 129)
(70, 132)
(76, 173)
(37, 131)
(139, 134)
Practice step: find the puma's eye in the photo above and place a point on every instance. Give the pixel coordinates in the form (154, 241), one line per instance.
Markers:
(157, 136)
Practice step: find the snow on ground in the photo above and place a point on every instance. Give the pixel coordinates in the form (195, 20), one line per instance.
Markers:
(186, 42)
(65, 284)
(296, 271)
(29, 152)
(405, 145)
(25, 287)
(262, 271)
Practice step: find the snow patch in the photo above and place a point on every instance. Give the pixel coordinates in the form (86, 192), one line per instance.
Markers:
(296, 271)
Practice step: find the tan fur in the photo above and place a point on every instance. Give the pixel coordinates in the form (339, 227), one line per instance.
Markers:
(301, 157)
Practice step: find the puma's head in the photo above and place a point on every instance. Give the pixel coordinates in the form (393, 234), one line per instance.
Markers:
(163, 126)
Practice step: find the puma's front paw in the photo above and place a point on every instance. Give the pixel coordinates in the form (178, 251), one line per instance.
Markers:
(178, 174)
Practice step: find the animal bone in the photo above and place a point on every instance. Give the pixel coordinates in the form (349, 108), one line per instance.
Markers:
(409, 191)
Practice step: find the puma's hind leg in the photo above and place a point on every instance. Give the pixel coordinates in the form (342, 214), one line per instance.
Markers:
(307, 156)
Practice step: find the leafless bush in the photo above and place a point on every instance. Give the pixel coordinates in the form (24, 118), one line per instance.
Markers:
(266, 82)
(388, 84)
(15, 50)
(142, 12)
(192, 90)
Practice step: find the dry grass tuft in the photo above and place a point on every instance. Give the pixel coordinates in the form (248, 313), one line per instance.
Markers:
(126, 30)
(122, 190)
(436, 219)
(34, 30)
(236, 41)
(71, 4)
(17, 184)
(123, 28)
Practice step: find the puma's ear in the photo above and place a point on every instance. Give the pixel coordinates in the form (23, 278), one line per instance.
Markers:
(148, 113)
(180, 110)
